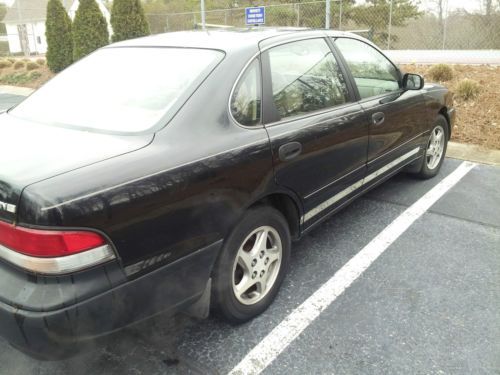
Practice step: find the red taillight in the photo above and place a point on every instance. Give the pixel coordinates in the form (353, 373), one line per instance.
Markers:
(47, 243)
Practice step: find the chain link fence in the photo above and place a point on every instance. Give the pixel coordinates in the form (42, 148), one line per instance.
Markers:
(423, 24)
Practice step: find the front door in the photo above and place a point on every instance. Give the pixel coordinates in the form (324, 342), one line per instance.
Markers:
(319, 135)
(398, 123)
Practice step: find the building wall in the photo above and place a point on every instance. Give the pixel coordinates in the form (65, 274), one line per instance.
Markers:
(36, 37)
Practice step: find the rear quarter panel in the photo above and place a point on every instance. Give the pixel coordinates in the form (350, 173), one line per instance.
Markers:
(184, 191)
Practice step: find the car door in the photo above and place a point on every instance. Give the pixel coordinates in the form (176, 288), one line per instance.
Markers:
(398, 118)
(318, 134)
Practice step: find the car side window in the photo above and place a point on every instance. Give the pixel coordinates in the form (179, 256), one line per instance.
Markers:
(305, 78)
(245, 103)
(373, 72)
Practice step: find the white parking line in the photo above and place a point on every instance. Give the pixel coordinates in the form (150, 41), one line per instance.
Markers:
(287, 331)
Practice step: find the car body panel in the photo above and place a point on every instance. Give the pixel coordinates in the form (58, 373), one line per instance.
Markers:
(167, 201)
(48, 151)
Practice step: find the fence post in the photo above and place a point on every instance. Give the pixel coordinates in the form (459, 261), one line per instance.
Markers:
(202, 4)
(390, 27)
(327, 14)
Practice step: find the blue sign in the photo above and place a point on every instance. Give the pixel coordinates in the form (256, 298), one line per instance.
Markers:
(255, 16)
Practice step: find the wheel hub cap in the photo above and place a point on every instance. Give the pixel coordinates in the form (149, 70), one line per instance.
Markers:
(435, 148)
(257, 265)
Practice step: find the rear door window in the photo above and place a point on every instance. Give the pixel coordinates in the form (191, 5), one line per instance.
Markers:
(306, 78)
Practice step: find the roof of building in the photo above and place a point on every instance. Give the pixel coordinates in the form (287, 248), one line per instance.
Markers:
(30, 10)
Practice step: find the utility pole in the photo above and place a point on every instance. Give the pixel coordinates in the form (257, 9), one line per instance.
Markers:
(327, 15)
(203, 23)
(390, 27)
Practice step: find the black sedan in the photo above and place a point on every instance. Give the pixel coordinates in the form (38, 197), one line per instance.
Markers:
(171, 173)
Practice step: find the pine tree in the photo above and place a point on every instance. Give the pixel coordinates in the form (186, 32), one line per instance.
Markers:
(59, 37)
(90, 29)
(128, 20)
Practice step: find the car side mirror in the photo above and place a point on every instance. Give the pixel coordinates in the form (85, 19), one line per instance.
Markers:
(413, 82)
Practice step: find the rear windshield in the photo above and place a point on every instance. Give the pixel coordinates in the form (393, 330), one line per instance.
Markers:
(122, 90)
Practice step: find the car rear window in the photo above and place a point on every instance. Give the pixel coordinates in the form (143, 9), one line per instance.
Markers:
(122, 90)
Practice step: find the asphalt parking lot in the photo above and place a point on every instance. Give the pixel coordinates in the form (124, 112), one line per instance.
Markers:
(429, 304)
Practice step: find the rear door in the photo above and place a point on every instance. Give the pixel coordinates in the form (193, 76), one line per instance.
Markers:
(398, 119)
(319, 135)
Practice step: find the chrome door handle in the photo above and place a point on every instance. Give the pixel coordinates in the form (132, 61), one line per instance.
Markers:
(289, 151)
(378, 118)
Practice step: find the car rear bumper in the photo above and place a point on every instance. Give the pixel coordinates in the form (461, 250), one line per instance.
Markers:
(59, 333)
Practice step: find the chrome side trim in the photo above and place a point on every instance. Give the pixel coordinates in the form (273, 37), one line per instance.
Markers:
(59, 265)
(334, 181)
(357, 185)
(391, 165)
(398, 147)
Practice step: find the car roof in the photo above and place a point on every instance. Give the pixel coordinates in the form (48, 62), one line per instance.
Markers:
(225, 39)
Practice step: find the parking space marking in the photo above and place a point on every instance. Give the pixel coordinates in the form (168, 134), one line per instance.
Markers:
(265, 352)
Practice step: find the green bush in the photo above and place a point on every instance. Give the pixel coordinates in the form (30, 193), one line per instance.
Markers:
(90, 29)
(19, 64)
(441, 72)
(5, 64)
(35, 75)
(59, 37)
(467, 89)
(128, 20)
(32, 66)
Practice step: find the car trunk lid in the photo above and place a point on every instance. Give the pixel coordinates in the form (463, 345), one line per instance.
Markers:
(32, 152)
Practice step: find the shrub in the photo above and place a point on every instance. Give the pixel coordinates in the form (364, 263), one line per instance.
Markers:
(128, 20)
(467, 89)
(11, 60)
(32, 66)
(5, 64)
(59, 39)
(41, 62)
(15, 79)
(35, 75)
(19, 64)
(441, 72)
(90, 29)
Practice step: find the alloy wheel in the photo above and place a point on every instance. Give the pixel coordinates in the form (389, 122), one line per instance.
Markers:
(435, 148)
(257, 265)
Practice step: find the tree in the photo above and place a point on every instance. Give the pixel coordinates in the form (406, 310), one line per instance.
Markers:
(375, 14)
(128, 20)
(90, 29)
(59, 37)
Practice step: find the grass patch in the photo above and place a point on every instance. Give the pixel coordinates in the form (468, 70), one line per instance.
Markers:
(441, 73)
(40, 62)
(467, 89)
(15, 79)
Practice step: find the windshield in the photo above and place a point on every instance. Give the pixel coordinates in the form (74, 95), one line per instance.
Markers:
(125, 90)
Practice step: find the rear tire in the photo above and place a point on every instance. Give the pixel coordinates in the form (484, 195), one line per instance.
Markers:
(252, 265)
(435, 150)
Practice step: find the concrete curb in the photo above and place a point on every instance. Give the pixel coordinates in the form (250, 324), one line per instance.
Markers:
(473, 153)
(15, 90)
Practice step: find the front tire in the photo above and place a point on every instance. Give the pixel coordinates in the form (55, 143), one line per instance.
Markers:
(436, 149)
(252, 265)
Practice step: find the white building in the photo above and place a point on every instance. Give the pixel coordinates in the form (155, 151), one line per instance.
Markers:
(25, 23)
